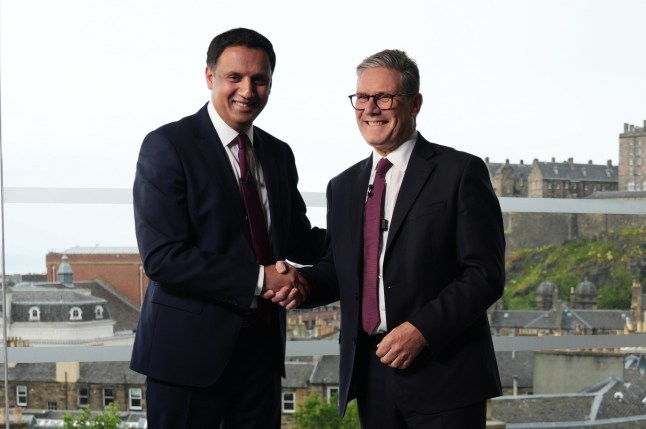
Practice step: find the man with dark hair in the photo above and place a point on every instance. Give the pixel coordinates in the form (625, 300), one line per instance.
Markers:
(216, 206)
(416, 256)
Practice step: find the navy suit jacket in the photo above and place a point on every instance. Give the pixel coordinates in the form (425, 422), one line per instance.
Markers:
(443, 267)
(196, 248)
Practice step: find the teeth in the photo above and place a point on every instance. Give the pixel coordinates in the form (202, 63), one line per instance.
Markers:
(376, 123)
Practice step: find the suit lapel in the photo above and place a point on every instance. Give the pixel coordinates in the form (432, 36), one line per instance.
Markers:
(418, 171)
(215, 156)
(277, 199)
(356, 203)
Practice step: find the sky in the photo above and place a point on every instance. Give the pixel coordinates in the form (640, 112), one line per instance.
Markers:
(83, 81)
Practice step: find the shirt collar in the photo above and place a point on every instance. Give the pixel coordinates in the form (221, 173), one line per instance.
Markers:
(400, 156)
(225, 132)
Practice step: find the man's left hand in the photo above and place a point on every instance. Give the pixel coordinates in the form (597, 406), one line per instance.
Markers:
(401, 346)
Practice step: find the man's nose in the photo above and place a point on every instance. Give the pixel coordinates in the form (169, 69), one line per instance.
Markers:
(371, 107)
(246, 88)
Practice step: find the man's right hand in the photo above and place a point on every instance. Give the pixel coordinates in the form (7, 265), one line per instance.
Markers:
(284, 285)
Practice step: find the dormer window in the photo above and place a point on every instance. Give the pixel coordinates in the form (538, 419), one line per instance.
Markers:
(98, 312)
(34, 314)
(76, 313)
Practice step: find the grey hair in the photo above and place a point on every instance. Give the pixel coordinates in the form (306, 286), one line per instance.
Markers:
(396, 60)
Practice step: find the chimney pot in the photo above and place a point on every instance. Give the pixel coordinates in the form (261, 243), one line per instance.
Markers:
(553, 159)
(626, 127)
(589, 162)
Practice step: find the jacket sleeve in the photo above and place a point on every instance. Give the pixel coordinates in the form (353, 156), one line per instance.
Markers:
(480, 248)
(167, 236)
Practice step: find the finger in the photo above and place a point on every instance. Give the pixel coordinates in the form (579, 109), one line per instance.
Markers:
(281, 295)
(268, 294)
(296, 300)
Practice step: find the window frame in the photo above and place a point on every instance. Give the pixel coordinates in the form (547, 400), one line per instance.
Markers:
(284, 401)
(22, 394)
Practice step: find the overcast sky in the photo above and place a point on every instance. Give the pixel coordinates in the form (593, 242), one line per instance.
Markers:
(82, 82)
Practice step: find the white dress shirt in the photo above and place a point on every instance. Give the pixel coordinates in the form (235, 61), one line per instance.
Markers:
(394, 177)
(228, 137)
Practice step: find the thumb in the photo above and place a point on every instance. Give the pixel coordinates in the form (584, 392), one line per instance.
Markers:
(281, 267)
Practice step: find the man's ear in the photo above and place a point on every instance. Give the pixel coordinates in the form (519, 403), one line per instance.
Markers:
(208, 74)
(417, 104)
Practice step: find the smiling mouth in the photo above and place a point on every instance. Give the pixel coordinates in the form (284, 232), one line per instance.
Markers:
(243, 104)
(375, 123)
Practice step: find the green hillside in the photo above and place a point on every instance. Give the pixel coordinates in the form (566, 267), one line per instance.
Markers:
(606, 260)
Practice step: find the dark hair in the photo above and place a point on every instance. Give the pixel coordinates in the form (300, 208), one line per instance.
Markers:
(396, 60)
(239, 37)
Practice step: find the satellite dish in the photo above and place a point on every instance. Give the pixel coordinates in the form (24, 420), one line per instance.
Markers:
(619, 396)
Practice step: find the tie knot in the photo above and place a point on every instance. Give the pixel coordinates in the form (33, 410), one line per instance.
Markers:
(383, 165)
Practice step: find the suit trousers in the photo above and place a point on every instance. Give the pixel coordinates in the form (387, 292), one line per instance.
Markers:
(382, 403)
(247, 396)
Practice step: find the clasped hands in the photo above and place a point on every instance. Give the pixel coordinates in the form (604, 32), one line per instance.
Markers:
(284, 285)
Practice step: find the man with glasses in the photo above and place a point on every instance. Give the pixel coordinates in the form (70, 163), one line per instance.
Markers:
(416, 256)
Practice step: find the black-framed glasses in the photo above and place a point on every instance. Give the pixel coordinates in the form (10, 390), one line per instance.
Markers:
(383, 100)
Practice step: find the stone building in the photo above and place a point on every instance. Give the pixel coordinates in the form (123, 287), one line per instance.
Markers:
(552, 179)
(568, 179)
(73, 385)
(632, 170)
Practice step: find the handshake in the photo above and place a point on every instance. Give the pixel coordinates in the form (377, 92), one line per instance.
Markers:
(284, 285)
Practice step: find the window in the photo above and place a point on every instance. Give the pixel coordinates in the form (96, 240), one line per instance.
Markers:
(135, 398)
(98, 312)
(34, 313)
(108, 397)
(21, 396)
(52, 405)
(289, 402)
(332, 393)
(76, 314)
(83, 396)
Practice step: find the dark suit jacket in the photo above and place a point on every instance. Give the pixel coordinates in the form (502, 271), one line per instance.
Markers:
(195, 245)
(443, 267)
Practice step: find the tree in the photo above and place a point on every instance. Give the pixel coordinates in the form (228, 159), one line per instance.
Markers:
(318, 414)
(108, 419)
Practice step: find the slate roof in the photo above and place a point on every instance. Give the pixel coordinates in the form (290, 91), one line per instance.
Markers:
(90, 372)
(539, 319)
(625, 396)
(613, 400)
(573, 172)
(297, 374)
(122, 311)
(54, 304)
(520, 169)
(326, 371)
(116, 307)
(542, 408)
(519, 364)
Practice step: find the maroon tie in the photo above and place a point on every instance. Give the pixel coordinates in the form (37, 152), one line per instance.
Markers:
(255, 213)
(371, 246)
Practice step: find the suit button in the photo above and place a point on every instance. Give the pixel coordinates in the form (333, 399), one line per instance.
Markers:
(354, 340)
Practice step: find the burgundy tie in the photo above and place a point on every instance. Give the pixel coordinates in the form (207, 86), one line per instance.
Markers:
(371, 246)
(255, 214)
